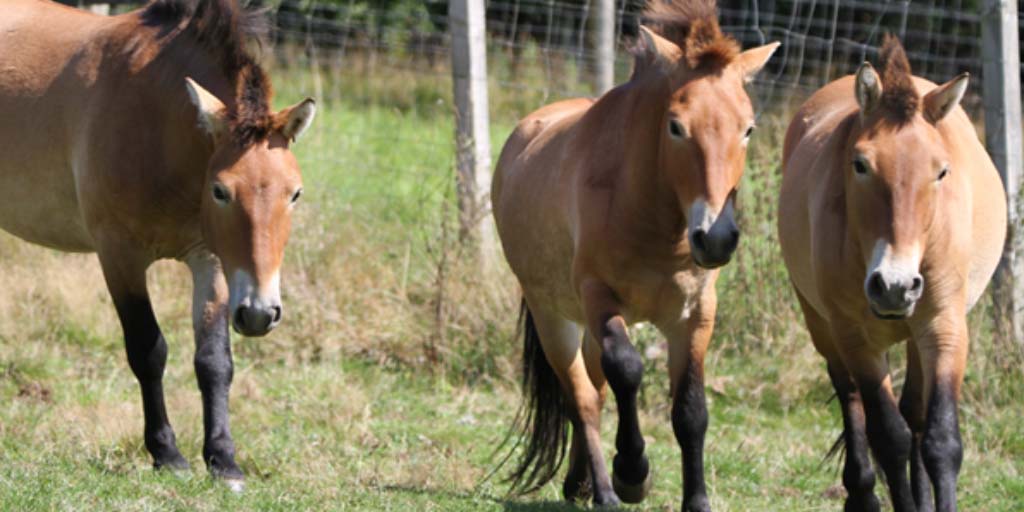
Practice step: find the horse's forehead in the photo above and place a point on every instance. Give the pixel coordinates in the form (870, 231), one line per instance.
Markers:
(720, 94)
(266, 163)
(909, 144)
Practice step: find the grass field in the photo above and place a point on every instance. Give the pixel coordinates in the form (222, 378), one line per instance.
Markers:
(389, 387)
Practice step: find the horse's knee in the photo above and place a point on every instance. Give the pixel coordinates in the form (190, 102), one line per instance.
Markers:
(621, 363)
(941, 447)
(689, 406)
(213, 367)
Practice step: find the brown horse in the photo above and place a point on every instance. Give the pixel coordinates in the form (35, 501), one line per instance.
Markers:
(618, 211)
(109, 143)
(892, 220)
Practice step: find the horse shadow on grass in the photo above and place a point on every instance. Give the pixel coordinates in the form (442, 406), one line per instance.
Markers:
(506, 503)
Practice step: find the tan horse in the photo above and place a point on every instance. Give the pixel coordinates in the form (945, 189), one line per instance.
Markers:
(107, 146)
(892, 220)
(618, 211)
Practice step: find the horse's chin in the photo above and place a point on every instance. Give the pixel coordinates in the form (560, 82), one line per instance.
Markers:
(892, 315)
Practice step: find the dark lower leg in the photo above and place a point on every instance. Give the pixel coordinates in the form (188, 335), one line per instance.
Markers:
(690, 423)
(941, 447)
(890, 439)
(858, 473)
(910, 408)
(577, 478)
(147, 356)
(214, 371)
(623, 369)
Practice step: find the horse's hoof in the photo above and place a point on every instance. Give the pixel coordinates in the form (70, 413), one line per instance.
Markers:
(175, 463)
(632, 493)
(610, 501)
(865, 503)
(697, 504)
(236, 485)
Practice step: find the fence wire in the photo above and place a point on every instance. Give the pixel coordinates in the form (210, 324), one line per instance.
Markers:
(822, 39)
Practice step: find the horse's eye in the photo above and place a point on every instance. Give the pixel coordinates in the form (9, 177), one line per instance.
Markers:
(296, 195)
(221, 194)
(860, 167)
(943, 173)
(750, 131)
(675, 129)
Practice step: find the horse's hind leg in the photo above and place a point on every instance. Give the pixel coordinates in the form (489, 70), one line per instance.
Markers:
(213, 364)
(561, 342)
(912, 407)
(147, 351)
(858, 473)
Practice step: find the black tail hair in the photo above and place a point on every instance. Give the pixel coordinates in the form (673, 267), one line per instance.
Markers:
(542, 420)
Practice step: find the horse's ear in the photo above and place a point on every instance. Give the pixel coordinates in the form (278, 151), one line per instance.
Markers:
(943, 99)
(751, 62)
(868, 89)
(653, 50)
(294, 120)
(210, 112)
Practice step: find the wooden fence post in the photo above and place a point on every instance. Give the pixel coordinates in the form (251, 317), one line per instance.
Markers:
(603, 42)
(466, 20)
(1001, 91)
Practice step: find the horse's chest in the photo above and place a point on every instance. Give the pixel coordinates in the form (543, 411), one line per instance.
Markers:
(653, 295)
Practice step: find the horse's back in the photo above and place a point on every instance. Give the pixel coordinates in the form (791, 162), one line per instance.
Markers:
(532, 198)
(41, 98)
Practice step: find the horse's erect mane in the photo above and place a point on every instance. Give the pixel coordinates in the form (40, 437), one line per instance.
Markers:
(226, 30)
(693, 26)
(899, 96)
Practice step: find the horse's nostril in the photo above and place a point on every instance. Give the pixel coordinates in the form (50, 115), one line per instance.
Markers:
(916, 284)
(699, 241)
(277, 314)
(239, 319)
(876, 285)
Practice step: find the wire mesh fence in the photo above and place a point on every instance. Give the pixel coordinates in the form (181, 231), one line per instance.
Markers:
(822, 39)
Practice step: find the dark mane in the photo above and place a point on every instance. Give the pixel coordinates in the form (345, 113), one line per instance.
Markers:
(899, 97)
(693, 26)
(227, 30)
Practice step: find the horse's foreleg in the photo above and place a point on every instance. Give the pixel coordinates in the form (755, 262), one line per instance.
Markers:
(943, 351)
(888, 435)
(213, 364)
(147, 351)
(623, 369)
(688, 340)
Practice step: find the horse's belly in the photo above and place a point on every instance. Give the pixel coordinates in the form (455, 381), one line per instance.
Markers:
(42, 208)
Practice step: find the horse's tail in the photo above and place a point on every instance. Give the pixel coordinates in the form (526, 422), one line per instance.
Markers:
(837, 453)
(542, 419)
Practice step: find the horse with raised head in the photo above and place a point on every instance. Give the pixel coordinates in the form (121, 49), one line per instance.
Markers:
(144, 136)
(892, 220)
(617, 211)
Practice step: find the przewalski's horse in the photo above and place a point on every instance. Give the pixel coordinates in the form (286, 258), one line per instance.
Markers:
(617, 211)
(145, 136)
(891, 221)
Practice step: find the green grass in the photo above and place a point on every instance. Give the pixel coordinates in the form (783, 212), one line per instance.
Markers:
(380, 393)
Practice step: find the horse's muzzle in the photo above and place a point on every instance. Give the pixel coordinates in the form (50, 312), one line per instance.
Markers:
(893, 297)
(256, 320)
(714, 247)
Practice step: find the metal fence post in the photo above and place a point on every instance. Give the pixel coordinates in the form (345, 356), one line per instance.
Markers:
(603, 40)
(466, 20)
(1001, 90)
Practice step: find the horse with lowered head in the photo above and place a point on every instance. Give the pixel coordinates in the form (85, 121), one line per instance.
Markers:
(891, 220)
(617, 211)
(144, 136)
